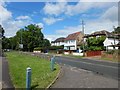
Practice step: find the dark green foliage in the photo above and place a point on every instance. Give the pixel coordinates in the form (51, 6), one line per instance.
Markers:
(49, 47)
(2, 31)
(30, 36)
(117, 30)
(95, 43)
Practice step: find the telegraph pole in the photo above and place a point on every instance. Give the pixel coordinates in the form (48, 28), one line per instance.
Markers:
(114, 34)
(21, 37)
(21, 45)
(83, 37)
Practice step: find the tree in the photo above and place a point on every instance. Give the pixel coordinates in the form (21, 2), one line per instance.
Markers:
(46, 43)
(95, 43)
(2, 31)
(117, 30)
(31, 36)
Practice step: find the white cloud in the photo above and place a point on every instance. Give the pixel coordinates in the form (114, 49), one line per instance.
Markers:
(106, 22)
(55, 9)
(68, 30)
(90, 26)
(23, 17)
(111, 14)
(80, 7)
(41, 25)
(10, 25)
(5, 14)
(51, 20)
(53, 37)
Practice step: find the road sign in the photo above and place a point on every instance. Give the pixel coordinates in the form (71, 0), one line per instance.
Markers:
(21, 46)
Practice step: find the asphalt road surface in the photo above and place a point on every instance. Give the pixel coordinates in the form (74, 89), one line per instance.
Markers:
(104, 68)
(71, 77)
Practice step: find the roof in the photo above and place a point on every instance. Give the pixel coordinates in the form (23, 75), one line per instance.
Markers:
(61, 39)
(103, 32)
(72, 36)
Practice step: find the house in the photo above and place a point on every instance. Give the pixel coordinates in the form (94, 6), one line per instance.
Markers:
(58, 42)
(111, 43)
(73, 42)
(99, 34)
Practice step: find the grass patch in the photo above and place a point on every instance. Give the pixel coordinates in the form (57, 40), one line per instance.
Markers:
(72, 56)
(42, 76)
(109, 59)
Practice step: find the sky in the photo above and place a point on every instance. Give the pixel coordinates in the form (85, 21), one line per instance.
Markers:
(58, 19)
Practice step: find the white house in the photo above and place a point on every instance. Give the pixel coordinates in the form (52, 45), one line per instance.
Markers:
(72, 41)
(109, 42)
(58, 42)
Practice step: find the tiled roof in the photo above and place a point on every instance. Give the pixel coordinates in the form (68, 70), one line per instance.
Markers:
(61, 39)
(72, 36)
(103, 32)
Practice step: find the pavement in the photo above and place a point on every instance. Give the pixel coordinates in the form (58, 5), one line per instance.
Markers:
(6, 80)
(0, 73)
(72, 77)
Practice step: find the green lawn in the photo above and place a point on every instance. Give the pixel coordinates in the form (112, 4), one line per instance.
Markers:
(73, 56)
(42, 76)
(110, 59)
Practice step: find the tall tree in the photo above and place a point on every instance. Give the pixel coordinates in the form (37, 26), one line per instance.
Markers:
(117, 30)
(2, 31)
(31, 37)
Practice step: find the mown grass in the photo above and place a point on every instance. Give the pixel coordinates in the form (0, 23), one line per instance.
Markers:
(110, 59)
(42, 76)
(72, 56)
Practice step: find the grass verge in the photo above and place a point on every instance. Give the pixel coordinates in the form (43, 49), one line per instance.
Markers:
(42, 76)
(72, 56)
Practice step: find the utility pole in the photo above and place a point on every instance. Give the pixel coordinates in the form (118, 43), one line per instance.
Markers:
(114, 35)
(21, 37)
(21, 45)
(83, 37)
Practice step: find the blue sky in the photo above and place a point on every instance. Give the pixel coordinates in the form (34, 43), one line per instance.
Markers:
(59, 19)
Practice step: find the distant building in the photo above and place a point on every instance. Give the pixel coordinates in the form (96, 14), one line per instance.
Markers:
(99, 33)
(109, 41)
(58, 42)
(73, 41)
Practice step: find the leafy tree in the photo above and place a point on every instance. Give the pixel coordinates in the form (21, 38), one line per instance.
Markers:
(2, 31)
(31, 37)
(95, 43)
(46, 43)
(117, 30)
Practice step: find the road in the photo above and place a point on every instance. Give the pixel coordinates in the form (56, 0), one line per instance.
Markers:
(104, 68)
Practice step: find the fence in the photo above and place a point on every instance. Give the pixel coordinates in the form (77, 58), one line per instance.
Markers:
(93, 53)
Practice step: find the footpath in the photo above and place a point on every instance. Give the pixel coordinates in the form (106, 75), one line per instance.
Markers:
(6, 81)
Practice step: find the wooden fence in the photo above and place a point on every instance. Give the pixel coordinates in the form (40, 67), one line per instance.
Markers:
(93, 53)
